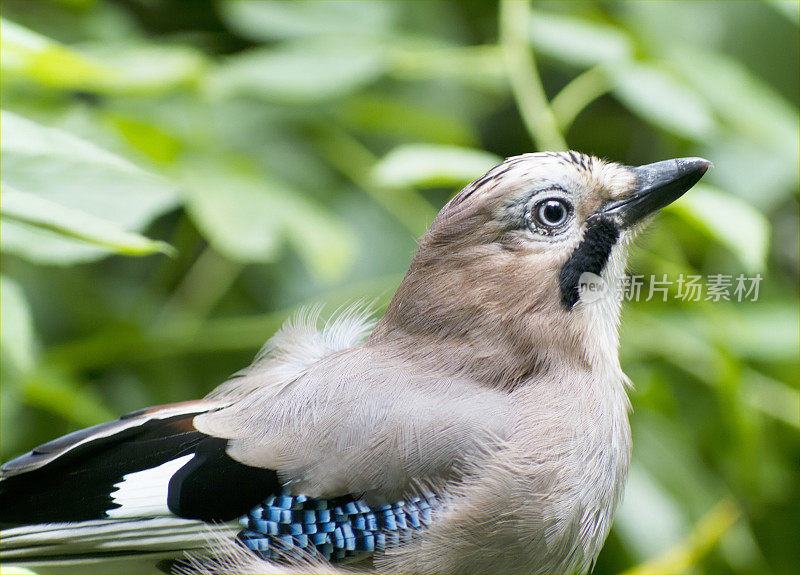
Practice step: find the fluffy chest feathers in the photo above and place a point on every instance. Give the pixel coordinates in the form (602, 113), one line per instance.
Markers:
(544, 501)
(573, 445)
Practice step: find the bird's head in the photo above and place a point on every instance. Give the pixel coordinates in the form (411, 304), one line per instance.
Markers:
(507, 257)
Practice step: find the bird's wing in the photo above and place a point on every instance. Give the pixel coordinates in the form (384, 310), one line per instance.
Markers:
(93, 437)
(334, 417)
(316, 418)
(148, 463)
(155, 462)
(362, 422)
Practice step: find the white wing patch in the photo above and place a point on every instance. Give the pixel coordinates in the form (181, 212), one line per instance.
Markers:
(144, 493)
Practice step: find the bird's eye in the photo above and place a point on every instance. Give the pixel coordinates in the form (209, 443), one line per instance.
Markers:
(552, 213)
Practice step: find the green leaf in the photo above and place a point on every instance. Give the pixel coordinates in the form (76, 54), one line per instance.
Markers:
(23, 137)
(234, 211)
(578, 41)
(246, 217)
(713, 211)
(324, 244)
(788, 9)
(743, 101)
(139, 69)
(37, 212)
(481, 67)
(406, 120)
(661, 98)
(76, 184)
(763, 175)
(649, 519)
(33, 57)
(771, 396)
(17, 335)
(265, 21)
(764, 333)
(682, 556)
(147, 137)
(301, 72)
(425, 165)
(148, 69)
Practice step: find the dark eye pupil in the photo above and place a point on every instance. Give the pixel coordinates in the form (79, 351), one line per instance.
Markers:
(552, 212)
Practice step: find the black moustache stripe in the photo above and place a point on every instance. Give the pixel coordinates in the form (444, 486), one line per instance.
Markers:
(591, 255)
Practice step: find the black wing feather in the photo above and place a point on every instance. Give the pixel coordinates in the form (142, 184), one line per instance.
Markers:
(76, 485)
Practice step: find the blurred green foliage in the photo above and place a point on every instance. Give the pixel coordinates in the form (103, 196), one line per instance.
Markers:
(286, 152)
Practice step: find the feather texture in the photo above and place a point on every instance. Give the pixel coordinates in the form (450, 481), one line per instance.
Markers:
(297, 345)
(490, 392)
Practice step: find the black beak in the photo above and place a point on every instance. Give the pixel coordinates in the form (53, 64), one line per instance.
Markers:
(657, 185)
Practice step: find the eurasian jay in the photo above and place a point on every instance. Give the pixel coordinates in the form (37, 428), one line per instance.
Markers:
(480, 426)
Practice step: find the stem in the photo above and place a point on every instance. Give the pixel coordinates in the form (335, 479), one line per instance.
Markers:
(525, 82)
(355, 162)
(206, 282)
(578, 94)
(706, 534)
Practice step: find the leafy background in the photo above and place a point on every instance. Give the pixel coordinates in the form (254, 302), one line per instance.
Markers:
(178, 177)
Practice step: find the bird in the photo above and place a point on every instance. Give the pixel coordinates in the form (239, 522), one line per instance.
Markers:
(479, 426)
